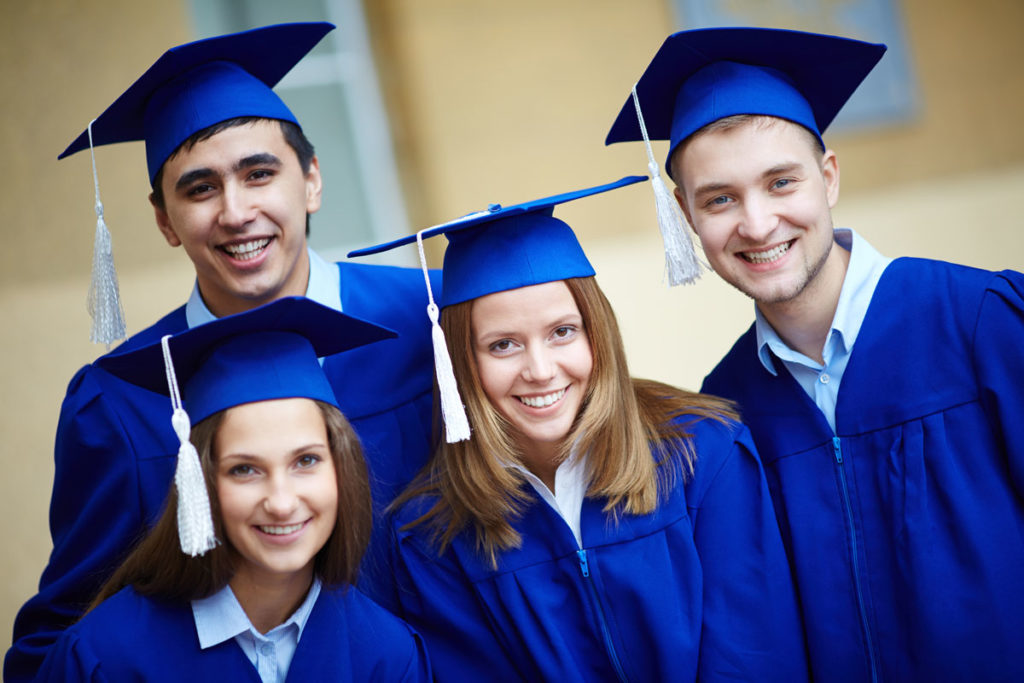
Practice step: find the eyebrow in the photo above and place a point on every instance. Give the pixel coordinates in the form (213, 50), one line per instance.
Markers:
(259, 159)
(787, 167)
(494, 335)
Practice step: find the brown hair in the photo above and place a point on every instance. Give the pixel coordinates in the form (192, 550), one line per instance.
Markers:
(157, 566)
(636, 445)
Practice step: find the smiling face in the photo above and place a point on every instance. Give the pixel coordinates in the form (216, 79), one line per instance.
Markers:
(237, 202)
(534, 361)
(277, 487)
(759, 195)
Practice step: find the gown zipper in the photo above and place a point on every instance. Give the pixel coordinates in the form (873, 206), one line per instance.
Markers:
(838, 451)
(609, 646)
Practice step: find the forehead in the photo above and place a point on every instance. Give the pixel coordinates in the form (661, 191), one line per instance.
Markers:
(288, 419)
(751, 144)
(230, 144)
(534, 304)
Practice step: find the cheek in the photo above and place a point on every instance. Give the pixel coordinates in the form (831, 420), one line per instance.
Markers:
(235, 505)
(494, 378)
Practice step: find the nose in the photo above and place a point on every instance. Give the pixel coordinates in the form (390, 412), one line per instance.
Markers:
(236, 209)
(281, 499)
(758, 220)
(540, 366)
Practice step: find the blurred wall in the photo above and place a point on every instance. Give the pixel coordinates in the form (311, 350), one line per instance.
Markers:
(490, 102)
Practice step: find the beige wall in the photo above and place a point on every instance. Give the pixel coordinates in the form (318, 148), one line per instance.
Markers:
(491, 102)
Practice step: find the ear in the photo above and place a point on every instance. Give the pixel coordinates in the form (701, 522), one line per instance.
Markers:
(830, 173)
(163, 222)
(682, 205)
(314, 186)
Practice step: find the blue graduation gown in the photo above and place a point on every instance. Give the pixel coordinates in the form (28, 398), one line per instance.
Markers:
(134, 638)
(116, 452)
(906, 527)
(700, 588)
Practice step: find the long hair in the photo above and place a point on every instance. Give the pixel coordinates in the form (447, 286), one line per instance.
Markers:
(632, 431)
(157, 567)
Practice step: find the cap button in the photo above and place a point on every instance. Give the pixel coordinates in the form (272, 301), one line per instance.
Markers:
(494, 207)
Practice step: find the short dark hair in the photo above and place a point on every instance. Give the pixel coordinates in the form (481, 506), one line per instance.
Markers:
(293, 135)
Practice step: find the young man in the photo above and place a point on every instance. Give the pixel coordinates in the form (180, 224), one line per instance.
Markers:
(885, 396)
(233, 181)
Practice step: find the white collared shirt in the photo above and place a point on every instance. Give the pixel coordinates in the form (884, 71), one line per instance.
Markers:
(570, 489)
(821, 380)
(324, 288)
(220, 617)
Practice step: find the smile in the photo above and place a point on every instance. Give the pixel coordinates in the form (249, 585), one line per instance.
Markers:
(542, 401)
(247, 250)
(767, 256)
(281, 530)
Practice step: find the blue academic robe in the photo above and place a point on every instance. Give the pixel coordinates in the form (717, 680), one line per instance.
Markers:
(130, 637)
(116, 452)
(698, 589)
(905, 528)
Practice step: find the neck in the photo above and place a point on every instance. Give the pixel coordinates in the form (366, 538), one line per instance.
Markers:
(804, 321)
(542, 460)
(269, 599)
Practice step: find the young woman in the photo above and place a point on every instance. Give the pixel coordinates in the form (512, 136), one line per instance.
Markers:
(592, 526)
(248, 573)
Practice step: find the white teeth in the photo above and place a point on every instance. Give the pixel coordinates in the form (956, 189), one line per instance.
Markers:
(542, 401)
(247, 250)
(280, 530)
(766, 256)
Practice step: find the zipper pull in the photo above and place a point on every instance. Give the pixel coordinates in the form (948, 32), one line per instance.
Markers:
(582, 554)
(837, 449)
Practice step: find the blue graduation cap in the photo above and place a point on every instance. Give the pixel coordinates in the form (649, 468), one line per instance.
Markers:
(494, 250)
(199, 84)
(270, 352)
(508, 247)
(703, 75)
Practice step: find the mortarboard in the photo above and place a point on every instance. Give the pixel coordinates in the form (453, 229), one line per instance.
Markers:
(703, 75)
(190, 88)
(199, 84)
(491, 251)
(268, 353)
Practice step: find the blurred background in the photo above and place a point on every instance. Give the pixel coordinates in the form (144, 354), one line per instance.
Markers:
(424, 110)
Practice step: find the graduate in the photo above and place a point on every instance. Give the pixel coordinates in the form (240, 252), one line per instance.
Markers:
(884, 395)
(248, 573)
(579, 525)
(234, 180)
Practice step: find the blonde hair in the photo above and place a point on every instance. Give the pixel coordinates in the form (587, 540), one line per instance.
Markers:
(157, 566)
(636, 444)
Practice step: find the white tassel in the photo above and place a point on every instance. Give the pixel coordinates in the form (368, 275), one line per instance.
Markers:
(681, 263)
(104, 298)
(456, 424)
(195, 523)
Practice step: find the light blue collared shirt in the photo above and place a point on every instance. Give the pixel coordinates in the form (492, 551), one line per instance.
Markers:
(821, 380)
(324, 288)
(220, 618)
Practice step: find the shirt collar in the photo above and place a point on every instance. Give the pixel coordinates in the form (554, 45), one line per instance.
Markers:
(220, 617)
(324, 288)
(862, 275)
